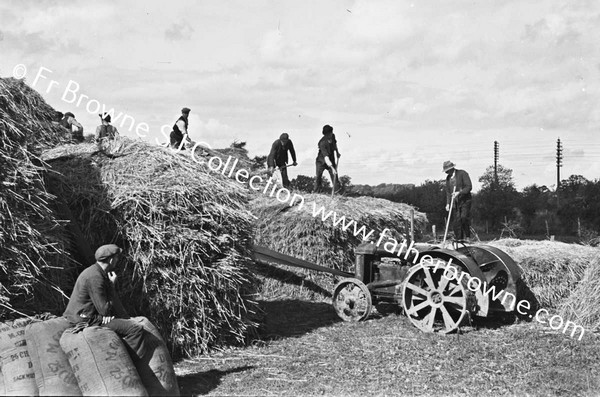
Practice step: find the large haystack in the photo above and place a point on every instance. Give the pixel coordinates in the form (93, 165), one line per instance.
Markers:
(550, 268)
(185, 230)
(583, 305)
(293, 230)
(33, 263)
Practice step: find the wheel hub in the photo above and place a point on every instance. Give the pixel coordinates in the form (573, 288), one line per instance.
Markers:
(436, 298)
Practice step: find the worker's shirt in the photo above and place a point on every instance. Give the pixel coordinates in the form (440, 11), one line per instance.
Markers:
(106, 131)
(92, 297)
(279, 153)
(459, 179)
(327, 146)
(182, 126)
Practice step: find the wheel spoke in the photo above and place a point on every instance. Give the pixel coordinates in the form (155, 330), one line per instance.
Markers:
(431, 318)
(416, 288)
(418, 307)
(454, 299)
(428, 279)
(455, 290)
(448, 320)
(443, 282)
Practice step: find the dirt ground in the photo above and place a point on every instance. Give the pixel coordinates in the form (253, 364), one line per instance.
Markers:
(306, 350)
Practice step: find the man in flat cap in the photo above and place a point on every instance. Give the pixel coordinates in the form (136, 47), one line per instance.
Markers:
(69, 122)
(458, 188)
(94, 301)
(278, 157)
(180, 130)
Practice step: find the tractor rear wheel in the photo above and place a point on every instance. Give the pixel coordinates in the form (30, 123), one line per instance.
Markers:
(352, 300)
(437, 303)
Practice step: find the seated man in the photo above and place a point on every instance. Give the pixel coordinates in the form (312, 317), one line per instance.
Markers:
(94, 301)
(105, 131)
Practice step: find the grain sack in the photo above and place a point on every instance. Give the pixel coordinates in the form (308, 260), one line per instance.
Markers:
(101, 363)
(17, 369)
(53, 374)
(156, 368)
(2, 389)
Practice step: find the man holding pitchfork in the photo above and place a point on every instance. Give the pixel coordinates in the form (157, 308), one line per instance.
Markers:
(458, 198)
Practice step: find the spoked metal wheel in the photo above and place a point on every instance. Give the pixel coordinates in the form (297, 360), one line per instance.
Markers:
(435, 303)
(352, 300)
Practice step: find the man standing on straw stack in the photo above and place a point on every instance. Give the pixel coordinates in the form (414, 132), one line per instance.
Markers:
(458, 192)
(94, 301)
(180, 129)
(326, 159)
(278, 157)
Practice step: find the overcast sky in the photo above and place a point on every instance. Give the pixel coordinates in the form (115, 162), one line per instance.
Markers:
(405, 85)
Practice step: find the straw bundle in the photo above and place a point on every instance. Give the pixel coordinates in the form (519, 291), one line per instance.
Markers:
(583, 305)
(295, 231)
(185, 231)
(551, 269)
(32, 241)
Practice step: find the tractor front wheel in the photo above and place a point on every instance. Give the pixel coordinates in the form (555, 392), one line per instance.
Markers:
(352, 300)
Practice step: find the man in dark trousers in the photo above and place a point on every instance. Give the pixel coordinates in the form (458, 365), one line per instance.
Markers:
(94, 301)
(326, 159)
(278, 157)
(180, 129)
(458, 188)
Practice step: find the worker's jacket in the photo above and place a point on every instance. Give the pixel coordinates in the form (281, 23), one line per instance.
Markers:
(93, 297)
(327, 147)
(278, 156)
(461, 180)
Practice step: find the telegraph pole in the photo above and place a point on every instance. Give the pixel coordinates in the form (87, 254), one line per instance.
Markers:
(496, 150)
(558, 165)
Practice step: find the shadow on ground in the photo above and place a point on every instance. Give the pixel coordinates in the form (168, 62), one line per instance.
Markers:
(204, 382)
(291, 318)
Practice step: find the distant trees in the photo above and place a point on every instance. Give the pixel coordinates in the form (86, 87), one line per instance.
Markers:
(497, 198)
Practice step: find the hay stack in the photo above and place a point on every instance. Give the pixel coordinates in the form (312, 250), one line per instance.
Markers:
(550, 268)
(583, 305)
(185, 231)
(32, 241)
(294, 231)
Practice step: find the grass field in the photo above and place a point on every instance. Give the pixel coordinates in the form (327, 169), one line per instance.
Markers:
(306, 350)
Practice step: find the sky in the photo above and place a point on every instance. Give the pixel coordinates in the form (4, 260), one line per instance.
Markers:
(405, 85)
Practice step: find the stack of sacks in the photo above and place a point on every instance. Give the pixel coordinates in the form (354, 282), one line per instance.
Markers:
(46, 358)
(17, 377)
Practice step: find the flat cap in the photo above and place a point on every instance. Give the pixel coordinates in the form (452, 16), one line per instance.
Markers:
(185, 110)
(107, 251)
